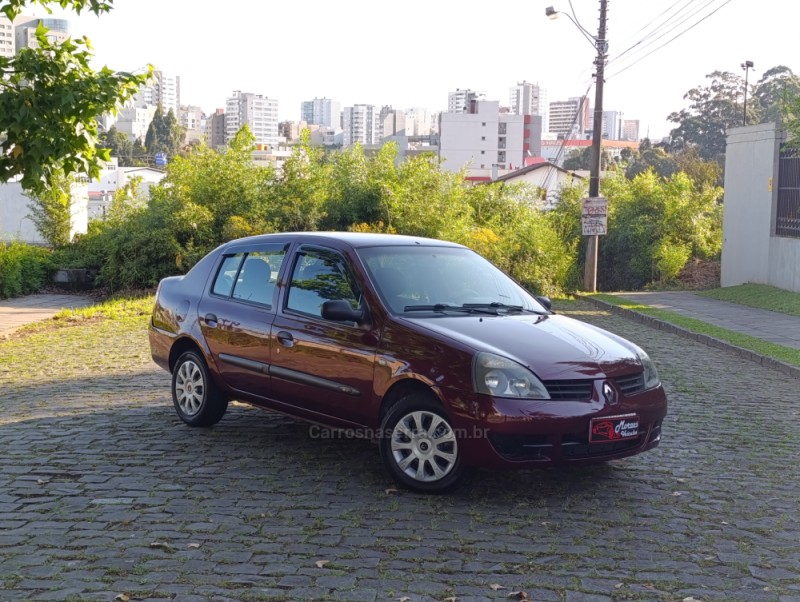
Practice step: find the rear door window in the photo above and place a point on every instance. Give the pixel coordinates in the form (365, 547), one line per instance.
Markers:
(250, 276)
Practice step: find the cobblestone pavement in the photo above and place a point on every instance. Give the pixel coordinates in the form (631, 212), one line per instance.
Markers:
(104, 495)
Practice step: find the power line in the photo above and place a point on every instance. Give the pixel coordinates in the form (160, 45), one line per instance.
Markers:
(656, 29)
(671, 39)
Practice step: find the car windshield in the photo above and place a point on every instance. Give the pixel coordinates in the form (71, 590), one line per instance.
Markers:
(443, 280)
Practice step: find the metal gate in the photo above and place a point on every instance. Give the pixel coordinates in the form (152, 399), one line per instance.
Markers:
(787, 218)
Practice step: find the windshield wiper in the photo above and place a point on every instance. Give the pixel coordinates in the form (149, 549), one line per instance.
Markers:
(444, 307)
(503, 306)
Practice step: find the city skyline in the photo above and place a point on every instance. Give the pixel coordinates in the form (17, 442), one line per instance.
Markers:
(436, 48)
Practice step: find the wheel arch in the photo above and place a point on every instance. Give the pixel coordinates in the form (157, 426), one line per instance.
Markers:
(180, 347)
(404, 388)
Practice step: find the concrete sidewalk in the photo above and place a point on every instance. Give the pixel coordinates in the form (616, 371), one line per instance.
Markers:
(771, 326)
(19, 311)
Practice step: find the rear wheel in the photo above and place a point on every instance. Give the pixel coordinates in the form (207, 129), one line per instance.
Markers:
(197, 400)
(419, 447)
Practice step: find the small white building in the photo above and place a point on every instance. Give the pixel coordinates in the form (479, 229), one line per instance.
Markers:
(101, 191)
(549, 178)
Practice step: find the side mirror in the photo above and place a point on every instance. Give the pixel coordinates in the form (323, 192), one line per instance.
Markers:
(340, 310)
(545, 301)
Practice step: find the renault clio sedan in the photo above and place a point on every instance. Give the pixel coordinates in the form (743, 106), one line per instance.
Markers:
(421, 345)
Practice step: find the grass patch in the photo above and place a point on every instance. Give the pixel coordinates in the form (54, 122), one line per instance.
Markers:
(773, 350)
(761, 296)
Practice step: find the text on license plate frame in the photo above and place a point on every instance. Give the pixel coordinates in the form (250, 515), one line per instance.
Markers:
(608, 429)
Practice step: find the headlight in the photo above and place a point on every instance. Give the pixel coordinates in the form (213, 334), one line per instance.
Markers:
(502, 377)
(651, 379)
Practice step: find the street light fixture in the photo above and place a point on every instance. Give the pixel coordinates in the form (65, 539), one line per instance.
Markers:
(747, 65)
(601, 45)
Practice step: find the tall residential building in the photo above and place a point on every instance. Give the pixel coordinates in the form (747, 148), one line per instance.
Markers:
(165, 90)
(134, 121)
(7, 44)
(25, 30)
(193, 121)
(360, 125)
(460, 100)
(258, 112)
(392, 122)
(630, 129)
(483, 138)
(612, 125)
(528, 99)
(419, 122)
(215, 129)
(569, 119)
(321, 111)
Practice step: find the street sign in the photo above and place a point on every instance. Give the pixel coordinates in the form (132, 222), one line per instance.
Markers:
(594, 217)
(161, 159)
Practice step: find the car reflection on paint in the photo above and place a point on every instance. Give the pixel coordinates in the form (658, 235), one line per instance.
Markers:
(420, 345)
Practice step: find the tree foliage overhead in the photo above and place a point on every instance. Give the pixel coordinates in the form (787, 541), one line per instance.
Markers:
(50, 99)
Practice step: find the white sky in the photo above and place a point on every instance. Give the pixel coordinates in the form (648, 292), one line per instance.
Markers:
(412, 53)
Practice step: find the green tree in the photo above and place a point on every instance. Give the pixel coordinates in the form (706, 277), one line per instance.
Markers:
(582, 159)
(118, 146)
(51, 210)
(164, 135)
(712, 110)
(653, 158)
(50, 99)
(774, 92)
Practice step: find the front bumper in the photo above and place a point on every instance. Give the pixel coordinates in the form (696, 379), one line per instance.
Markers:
(514, 433)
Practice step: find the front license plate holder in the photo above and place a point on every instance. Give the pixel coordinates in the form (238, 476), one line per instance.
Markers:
(613, 428)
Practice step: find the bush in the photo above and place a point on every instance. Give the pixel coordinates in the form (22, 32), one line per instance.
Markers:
(24, 269)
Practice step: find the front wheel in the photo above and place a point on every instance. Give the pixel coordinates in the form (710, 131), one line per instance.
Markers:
(419, 447)
(197, 400)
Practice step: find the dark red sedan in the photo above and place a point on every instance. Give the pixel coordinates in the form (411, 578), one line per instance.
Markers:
(419, 344)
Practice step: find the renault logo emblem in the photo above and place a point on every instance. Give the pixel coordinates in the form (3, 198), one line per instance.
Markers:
(610, 394)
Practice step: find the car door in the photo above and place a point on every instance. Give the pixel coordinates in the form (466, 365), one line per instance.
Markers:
(236, 314)
(322, 366)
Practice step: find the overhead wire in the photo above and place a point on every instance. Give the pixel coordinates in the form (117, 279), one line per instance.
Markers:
(656, 28)
(672, 39)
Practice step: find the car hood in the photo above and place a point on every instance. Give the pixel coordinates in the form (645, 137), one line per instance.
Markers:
(552, 346)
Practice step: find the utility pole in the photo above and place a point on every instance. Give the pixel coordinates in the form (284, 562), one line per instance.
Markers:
(590, 271)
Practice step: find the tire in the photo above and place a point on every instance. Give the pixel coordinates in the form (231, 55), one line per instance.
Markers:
(419, 447)
(197, 400)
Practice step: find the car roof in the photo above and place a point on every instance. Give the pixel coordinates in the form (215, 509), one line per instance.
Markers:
(354, 239)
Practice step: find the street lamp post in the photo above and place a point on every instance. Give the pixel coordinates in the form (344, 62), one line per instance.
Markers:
(601, 45)
(747, 65)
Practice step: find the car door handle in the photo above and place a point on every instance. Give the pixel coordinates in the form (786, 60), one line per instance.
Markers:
(211, 320)
(285, 338)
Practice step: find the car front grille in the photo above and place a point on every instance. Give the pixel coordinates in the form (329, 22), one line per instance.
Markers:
(569, 389)
(631, 384)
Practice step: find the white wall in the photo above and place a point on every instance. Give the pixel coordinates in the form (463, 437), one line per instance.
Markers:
(750, 250)
(14, 222)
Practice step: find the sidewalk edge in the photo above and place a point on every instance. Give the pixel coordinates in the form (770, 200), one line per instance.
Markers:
(769, 362)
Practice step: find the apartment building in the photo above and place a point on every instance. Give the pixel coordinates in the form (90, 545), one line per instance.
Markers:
(527, 98)
(460, 100)
(360, 125)
(321, 111)
(569, 119)
(484, 137)
(7, 44)
(258, 112)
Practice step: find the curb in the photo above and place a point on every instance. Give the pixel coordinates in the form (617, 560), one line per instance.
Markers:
(763, 360)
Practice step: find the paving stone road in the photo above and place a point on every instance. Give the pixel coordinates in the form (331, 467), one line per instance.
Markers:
(104, 493)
